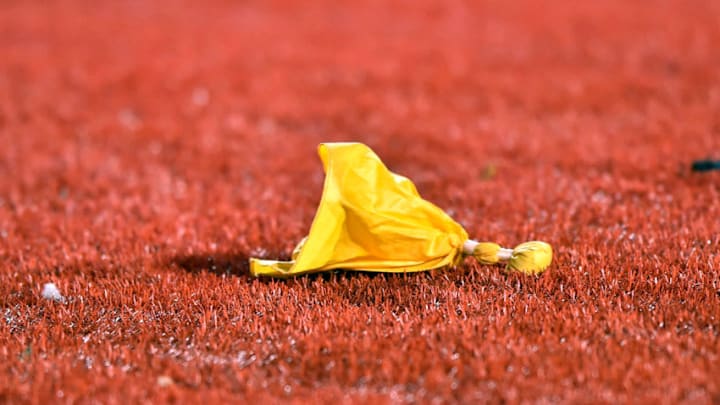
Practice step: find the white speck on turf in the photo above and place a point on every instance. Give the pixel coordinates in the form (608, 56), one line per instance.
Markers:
(51, 292)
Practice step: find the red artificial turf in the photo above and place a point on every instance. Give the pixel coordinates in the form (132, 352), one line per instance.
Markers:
(147, 149)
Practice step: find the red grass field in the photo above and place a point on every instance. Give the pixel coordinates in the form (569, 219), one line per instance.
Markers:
(147, 149)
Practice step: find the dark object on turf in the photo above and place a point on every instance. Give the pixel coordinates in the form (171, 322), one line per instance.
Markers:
(705, 165)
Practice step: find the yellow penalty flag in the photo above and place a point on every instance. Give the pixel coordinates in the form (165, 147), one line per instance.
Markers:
(372, 219)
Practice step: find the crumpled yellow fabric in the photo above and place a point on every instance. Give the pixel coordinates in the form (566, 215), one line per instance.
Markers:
(369, 219)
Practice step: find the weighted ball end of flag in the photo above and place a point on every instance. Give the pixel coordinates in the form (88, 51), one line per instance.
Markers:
(527, 258)
(530, 257)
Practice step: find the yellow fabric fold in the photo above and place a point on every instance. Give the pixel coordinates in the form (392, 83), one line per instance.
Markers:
(369, 219)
